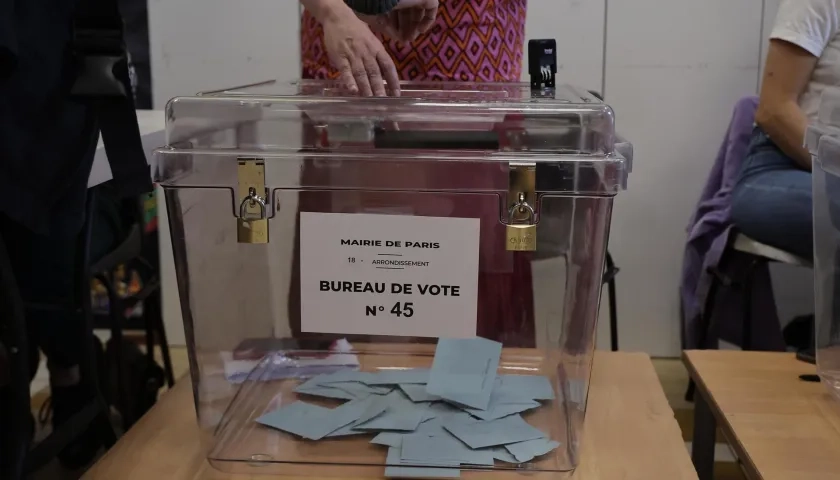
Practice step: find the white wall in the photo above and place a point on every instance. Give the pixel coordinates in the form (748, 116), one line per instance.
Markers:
(578, 27)
(673, 71)
(199, 45)
(673, 77)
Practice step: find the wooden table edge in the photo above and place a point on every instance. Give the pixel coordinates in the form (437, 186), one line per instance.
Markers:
(118, 455)
(742, 457)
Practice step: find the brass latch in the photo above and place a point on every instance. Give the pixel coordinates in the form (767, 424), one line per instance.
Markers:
(522, 218)
(252, 223)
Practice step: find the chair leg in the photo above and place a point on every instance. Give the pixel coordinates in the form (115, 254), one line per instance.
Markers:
(90, 367)
(167, 359)
(613, 315)
(150, 341)
(116, 317)
(707, 330)
(690, 390)
(91, 374)
(746, 325)
(610, 279)
(155, 320)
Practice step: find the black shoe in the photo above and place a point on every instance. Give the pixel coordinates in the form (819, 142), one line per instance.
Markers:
(799, 333)
(66, 402)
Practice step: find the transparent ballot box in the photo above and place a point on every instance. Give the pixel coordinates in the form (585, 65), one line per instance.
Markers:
(391, 286)
(823, 141)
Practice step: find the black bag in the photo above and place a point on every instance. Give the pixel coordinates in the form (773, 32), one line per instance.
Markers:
(142, 378)
(102, 81)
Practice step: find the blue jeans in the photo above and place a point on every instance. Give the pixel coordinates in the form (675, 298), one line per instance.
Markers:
(772, 201)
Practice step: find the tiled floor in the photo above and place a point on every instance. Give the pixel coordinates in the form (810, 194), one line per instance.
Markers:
(671, 372)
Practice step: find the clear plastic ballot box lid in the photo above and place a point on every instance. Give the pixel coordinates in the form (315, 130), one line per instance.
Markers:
(823, 142)
(398, 286)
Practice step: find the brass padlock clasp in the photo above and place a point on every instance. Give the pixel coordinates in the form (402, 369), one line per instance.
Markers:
(252, 227)
(522, 233)
(252, 199)
(522, 196)
(252, 223)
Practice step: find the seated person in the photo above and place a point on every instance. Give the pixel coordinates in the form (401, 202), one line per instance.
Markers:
(772, 200)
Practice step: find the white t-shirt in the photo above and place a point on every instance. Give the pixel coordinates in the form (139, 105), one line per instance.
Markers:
(814, 26)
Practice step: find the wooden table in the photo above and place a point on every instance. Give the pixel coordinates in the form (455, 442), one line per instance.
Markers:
(628, 424)
(779, 426)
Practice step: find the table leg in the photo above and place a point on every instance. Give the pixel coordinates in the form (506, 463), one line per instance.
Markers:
(703, 443)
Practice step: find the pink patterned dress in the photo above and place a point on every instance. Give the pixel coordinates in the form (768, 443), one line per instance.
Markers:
(477, 41)
(472, 40)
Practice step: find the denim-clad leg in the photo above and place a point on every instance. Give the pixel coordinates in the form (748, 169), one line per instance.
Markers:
(772, 201)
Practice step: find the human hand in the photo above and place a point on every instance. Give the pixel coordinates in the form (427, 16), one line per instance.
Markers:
(406, 22)
(359, 56)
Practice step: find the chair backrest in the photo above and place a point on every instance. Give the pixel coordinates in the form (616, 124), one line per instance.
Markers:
(727, 165)
(737, 141)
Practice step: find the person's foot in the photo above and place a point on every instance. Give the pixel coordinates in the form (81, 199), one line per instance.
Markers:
(66, 402)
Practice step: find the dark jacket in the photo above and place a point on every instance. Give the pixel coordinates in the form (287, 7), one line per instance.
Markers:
(135, 13)
(47, 139)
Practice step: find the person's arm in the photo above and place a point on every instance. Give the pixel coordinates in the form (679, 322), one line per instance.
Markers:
(360, 58)
(802, 31)
(323, 10)
(786, 73)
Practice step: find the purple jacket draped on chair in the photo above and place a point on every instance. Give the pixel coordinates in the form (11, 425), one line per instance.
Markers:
(709, 234)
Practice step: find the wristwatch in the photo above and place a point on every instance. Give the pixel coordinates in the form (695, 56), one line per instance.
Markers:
(372, 7)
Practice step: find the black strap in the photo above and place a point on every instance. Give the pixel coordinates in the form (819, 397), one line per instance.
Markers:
(103, 81)
(372, 7)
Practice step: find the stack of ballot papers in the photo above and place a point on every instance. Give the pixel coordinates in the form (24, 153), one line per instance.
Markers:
(460, 413)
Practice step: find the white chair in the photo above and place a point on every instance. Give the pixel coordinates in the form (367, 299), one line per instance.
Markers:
(760, 254)
(746, 244)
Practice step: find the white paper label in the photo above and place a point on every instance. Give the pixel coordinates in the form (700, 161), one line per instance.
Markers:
(365, 274)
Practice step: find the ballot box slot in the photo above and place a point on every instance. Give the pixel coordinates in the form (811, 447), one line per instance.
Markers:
(435, 140)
